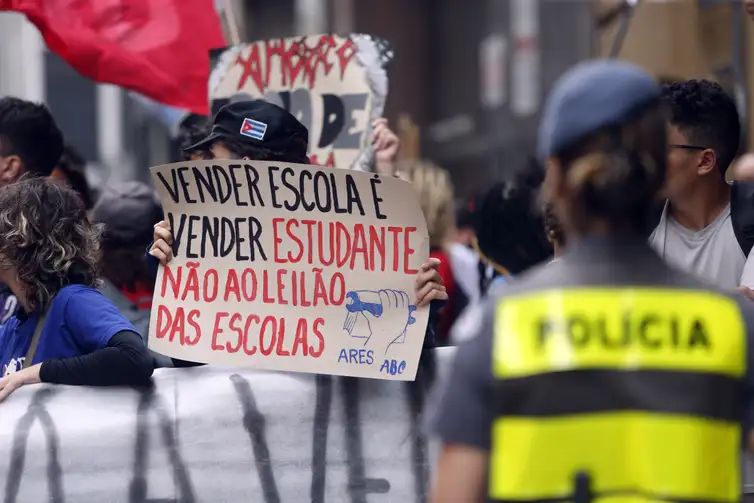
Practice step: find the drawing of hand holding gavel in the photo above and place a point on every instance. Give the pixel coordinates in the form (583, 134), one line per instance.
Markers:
(379, 317)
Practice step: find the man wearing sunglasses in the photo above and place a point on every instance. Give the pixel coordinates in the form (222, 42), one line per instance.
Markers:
(706, 224)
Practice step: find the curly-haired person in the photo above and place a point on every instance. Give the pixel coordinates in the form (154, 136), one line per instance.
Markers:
(700, 228)
(66, 332)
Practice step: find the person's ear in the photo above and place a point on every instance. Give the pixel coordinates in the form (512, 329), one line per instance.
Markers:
(11, 169)
(554, 186)
(707, 162)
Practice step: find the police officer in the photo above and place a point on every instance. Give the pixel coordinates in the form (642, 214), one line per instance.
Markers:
(606, 375)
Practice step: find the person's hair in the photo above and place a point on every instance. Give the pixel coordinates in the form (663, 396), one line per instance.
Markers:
(707, 116)
(28, 130)
(73, 166)
(192, 129)
(435, 190)
(509, 222)
(46, 237)
(553, 229)
(615, 174)
(126, 267)
(242, 149)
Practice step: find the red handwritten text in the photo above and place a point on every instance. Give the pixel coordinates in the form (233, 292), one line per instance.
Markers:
(356, 246)
(295, 59)
(310, 288)
(251, 333)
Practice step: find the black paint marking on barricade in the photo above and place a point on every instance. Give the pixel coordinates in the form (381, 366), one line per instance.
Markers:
(416, 394)
(253, 422)
(36, 411)
(137, 490)
(358, 484)
(319, 436)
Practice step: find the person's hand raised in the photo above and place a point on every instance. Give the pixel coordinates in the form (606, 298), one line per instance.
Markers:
(386, 145)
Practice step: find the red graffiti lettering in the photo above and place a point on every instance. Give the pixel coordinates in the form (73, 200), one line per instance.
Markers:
(329, 162)
(297, 61)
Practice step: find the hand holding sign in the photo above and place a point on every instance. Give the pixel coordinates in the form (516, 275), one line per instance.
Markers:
(379, 317)
(162, 246)
(429, 284)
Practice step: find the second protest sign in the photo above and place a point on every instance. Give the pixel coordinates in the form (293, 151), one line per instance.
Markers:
(290, 267)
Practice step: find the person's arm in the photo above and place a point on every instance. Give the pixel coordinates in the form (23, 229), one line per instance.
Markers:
(434, 318)
(103, 334)
(461, 474)
(462, 418)
(124, 361)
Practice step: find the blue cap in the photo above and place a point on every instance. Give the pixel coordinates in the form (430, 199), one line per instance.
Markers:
(590, 96)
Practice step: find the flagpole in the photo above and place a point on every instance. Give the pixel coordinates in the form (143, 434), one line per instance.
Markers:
(231, 23)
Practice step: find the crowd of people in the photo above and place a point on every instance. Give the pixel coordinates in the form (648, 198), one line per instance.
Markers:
(77, 282)
(627, 191)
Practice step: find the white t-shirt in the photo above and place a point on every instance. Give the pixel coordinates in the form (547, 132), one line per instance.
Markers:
(464, 263)
(712, 253)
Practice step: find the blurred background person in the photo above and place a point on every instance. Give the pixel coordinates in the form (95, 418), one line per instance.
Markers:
(435, 192)
(128, 211)
(191, 130)
(30, 140)
(510, 238)
(71, 169)
(509, 225)
(464, 260)
(30, 144)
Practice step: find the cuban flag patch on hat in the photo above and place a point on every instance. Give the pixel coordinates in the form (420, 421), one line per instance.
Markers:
(253, 129)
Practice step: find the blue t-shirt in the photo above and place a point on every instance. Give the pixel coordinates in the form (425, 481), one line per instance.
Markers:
(80, 321)
(8, 304)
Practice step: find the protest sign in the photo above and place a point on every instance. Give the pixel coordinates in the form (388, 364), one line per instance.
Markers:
(210, 434)
(336, 86)
(290, 267)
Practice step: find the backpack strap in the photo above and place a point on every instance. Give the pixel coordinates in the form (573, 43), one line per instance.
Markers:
(742, 214)
(654, 216)
(37, 334)
(35, 339)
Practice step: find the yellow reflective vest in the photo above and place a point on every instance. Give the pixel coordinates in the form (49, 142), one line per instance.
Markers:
(638, 390)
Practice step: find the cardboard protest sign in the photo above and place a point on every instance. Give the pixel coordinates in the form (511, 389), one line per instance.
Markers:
(290, 267)
(336, 86)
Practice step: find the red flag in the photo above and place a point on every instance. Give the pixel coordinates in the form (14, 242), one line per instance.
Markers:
(158, 48)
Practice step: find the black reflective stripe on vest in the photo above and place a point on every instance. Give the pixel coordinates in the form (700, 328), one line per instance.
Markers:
(586, 391)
